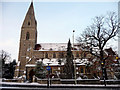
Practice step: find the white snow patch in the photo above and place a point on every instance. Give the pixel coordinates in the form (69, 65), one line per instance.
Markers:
(30, 65)
(79, 78)
(18, 64)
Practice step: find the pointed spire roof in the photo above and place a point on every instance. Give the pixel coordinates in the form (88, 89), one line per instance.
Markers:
(69, 41)
(69, 45)
(30, 10)
(30, 20)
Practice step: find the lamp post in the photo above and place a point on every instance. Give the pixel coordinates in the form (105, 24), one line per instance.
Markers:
(117, 58)
(103, 72)
(74, 59)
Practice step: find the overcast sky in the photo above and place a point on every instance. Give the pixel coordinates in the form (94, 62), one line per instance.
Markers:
(55, 20)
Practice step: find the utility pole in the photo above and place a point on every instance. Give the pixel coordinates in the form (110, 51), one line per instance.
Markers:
(74, 59)
(48, 81)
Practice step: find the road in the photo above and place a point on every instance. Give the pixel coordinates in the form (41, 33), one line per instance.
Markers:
(24, 88)
(60, 89)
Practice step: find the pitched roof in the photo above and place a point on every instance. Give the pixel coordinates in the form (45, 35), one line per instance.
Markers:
(110, 51)
(55, 47)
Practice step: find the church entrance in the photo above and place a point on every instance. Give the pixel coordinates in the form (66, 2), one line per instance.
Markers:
(31, 74)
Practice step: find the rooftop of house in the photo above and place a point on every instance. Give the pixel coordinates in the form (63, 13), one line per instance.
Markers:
(110, 51)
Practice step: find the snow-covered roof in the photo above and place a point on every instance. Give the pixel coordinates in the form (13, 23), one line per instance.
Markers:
(81, 61)
(54, 62)
(29, 59)
(30, 65)
(18, 64)
(55, 46)
(51, 62)
(17, 70)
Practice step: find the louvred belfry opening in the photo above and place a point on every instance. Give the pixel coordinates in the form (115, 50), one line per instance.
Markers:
(27, 36)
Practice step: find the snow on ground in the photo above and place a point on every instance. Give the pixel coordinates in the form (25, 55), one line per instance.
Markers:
(17, 83)
(94, 85)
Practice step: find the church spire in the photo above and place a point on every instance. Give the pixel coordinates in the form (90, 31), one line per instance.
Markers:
(31, 1)
(28, 39)
(30, 17)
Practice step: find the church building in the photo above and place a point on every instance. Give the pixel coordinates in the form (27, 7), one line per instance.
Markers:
(50, 53)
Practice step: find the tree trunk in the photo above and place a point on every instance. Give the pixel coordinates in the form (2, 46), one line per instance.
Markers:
(104, 73)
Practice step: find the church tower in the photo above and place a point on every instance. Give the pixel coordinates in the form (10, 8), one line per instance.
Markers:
(28, 39)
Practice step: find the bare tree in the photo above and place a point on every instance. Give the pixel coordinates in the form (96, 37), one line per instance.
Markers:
(97, 35)
(7, 67)
(4, 57)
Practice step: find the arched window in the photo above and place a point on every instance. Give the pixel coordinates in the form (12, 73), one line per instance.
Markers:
(81, 70)
(88, 70)
(77, 54)
(61, 55)
(54, 55)
(46, 55)
(28, 23)
(27, 36)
